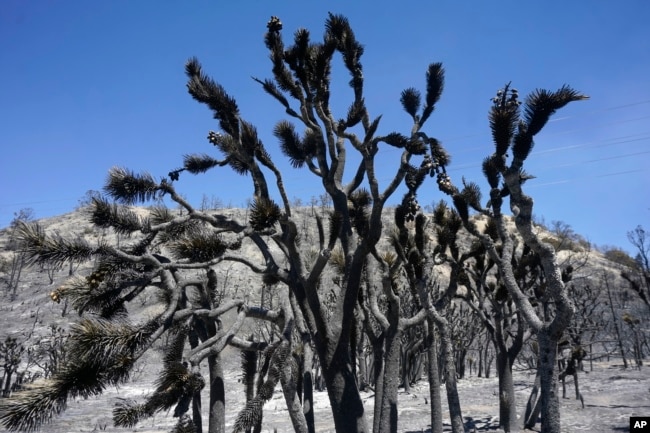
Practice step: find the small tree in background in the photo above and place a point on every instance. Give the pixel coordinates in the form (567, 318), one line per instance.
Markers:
(16, 263)
(638, 276)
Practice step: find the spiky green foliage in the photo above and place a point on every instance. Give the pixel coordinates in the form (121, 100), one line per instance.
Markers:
(491, 229)
(121, 219)
(41, 248)
(448, 222)
(417, 145)
(205, 90)
(178, 229)
(130, 188)
(30, 409)
(414, 178)
(264, 213)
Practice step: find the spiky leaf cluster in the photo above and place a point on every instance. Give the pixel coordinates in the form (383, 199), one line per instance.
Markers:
(299, 151)
(172, 385)
(338, 29)
(105, 291)
(335, 225)
(121, 219)
(448, 223)
(249, 360)
(511, 129)
(395, 139)
(205, 90)
(175, 386)
(100, 354)
(503, 118)
(199, 247)
(130, 188)
(471, 196)
(197, 164)
(303, 69)
(229, 146)
(184, 425)
(337, 261)
(492, 166)
(252, 412)
(359, 201)
(264, 213)
(435, 84)
(411, 100)
(108, 346)
(41, 248)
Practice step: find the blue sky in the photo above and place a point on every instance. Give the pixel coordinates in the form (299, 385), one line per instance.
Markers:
(90, 85)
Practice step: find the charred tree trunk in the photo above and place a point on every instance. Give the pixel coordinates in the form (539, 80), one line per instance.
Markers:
(347, 407)
(534, 404)
(434, 378)
(548, 379)
(197, 419)
(453, 401)
(217, 416)
(507, 405)
(390, 379)
(308, 385)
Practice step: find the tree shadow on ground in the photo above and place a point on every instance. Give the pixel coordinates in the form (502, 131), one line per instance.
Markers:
(487, 423)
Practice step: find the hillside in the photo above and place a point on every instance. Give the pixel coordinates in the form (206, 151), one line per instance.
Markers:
(35, 320)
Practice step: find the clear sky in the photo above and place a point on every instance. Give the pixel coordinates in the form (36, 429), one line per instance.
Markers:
(87, 85)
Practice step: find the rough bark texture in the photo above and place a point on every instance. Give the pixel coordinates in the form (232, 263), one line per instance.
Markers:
(388, 413)
(534, 404)
(347, 407)
(434, 378)
(290, 392)
(549, 390)
(455, 412)
(507, 404)
(217, 416)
